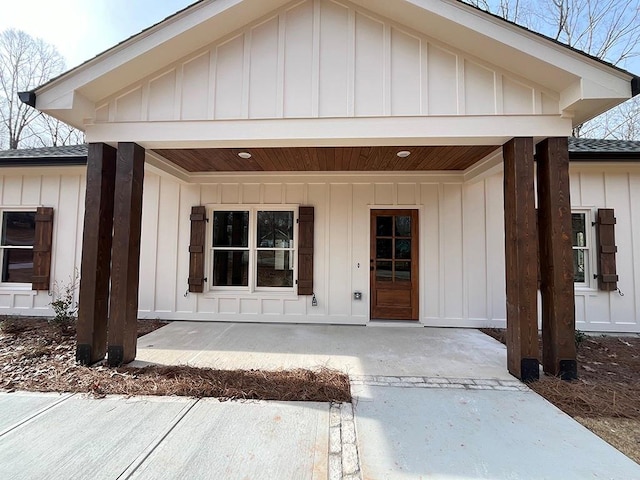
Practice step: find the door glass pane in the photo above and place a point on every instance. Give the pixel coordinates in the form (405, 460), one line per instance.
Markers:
(403, 249)
(384, 271)
(230, 268)
(230, 229)
(384, 226)
(579, 266)
(403, 226)
(384, 248)
(403, 272)
(18, 228)
(275, 230)
(17, 265)
(275, 268)
(579, 230)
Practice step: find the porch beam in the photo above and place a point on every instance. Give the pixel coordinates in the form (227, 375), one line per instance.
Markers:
(556, 258)
(125, 265)
(96, 254)
(521, 259)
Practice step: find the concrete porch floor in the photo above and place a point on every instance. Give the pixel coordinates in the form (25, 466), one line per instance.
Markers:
(356, 350)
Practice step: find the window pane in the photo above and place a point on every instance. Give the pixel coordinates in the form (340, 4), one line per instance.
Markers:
(403, 272)
(384, 248)
(230, 268)
(579, 266)
(275, 269)
(230, 229)
(275, 230)
(579, 230)
(403, 226)
(18, 228)
(384, 226)
(384, 271)
(17, 265)
(403, 249)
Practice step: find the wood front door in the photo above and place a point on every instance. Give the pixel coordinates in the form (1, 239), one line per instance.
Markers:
(394, 264)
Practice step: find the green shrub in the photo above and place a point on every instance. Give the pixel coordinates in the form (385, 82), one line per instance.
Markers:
(63, 301)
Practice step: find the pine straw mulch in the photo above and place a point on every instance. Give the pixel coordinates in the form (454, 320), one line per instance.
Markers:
(606, 396)
(38, 356)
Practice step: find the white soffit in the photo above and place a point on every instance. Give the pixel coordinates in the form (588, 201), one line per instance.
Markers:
(586, 86)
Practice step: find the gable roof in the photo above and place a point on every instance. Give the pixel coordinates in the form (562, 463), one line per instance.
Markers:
(587, 86)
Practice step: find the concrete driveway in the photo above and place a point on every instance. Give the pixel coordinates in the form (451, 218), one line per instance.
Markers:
(428, 403)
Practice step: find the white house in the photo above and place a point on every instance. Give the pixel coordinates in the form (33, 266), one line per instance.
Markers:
(328, 161)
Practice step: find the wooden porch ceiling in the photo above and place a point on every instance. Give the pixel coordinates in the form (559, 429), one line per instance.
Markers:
(326, 159)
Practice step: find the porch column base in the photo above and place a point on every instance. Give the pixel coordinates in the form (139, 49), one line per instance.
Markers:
(529, 370)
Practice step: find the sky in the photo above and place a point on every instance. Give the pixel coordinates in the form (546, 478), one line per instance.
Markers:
(80, 29)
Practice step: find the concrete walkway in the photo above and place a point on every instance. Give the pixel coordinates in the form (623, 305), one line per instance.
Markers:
(428, 403)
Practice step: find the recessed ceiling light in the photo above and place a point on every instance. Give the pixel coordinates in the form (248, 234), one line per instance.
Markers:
(403, 153)
(245, 155)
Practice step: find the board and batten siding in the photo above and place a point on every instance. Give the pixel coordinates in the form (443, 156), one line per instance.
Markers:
(461, 249)
(325, 58)
(461, 267)
(618, 187)
(64, 190)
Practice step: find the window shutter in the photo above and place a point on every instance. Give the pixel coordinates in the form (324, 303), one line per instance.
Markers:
(605, 233)
(42, 249)
(196, 249)
(305, 250)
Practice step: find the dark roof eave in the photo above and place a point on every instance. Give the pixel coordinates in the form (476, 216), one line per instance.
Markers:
(635, 86)
(43, 162)
(596, 157)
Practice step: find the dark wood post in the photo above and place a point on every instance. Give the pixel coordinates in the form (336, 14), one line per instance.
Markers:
(125, 264)
(521, 259)
(93, 302)
(556, 259)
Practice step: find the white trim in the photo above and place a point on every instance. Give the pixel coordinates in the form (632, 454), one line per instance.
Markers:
(315, 132)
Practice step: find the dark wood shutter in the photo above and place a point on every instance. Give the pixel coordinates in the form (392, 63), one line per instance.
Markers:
(606, 239)
(305, 250)
(196, 249)
(41, 278)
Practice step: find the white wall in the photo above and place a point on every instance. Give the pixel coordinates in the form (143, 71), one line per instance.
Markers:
(461, 252)
(617, 187)
(63, 189)
(461, 276)
(325, 58)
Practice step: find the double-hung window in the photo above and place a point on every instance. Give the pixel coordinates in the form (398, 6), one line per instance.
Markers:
(253, 248)
(581, 240)
(16, 243)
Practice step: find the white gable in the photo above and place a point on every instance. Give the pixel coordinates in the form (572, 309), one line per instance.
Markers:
(325, 59)
(332, 72)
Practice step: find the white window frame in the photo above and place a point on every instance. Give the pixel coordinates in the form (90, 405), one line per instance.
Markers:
(588, 248)
(13, 285)
(253, 249)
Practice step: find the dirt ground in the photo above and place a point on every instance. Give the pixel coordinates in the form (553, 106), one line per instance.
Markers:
(36, 355)
(606, 396)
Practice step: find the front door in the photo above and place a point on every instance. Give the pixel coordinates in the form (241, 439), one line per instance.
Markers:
(394, 264)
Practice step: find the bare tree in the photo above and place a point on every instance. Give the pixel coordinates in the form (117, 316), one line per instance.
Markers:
(607, 29)
(26, 63)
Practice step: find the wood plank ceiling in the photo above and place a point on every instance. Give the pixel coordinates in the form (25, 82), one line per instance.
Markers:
(326, 159)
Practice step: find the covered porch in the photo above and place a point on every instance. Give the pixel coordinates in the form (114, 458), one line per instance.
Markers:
(110, 278)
